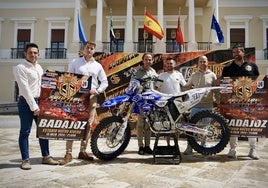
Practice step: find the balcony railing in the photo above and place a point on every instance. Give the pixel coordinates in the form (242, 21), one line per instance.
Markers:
(144, 46)
(51, 53)
(117, 46)
(265, 52)
(17, 53)
(56, 53)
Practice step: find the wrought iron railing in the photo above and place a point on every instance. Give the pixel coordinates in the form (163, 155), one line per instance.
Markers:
(17, 53)
(55, 53)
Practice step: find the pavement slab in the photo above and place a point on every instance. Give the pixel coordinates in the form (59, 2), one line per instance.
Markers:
(129, 169)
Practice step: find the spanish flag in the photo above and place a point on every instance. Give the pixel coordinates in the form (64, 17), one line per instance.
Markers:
(152, 26)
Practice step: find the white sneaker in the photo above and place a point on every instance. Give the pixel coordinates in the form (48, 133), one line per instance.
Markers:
(188, 150)
(253, 154)
(232, 154)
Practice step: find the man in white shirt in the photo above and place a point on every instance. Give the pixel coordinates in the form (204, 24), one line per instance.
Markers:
(28, 76)
(172, 81)
(87, 65)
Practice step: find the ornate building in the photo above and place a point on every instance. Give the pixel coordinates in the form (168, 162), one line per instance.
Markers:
(53, 25)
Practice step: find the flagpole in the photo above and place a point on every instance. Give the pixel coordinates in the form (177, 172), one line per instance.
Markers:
(181, 46)
(144, 40)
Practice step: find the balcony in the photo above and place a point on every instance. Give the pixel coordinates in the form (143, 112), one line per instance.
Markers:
(17, 53)
(55, 53)
(50, 53)
(148, 46)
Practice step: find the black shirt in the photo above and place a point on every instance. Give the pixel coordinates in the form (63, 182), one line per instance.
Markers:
(247, 69)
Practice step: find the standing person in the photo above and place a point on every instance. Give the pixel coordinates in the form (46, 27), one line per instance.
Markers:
(87, 65)
(239, 67)
(203, 77)
(143, 128)
(28, 76)
(172, 81)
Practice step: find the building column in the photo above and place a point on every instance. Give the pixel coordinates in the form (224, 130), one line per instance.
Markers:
(128, 45)
(98, 35)
(74, 45)
(192, 45)
(160, 46)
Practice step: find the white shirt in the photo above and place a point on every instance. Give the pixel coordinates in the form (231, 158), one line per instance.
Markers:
(171, 82)
(28, 77)
(91, 68)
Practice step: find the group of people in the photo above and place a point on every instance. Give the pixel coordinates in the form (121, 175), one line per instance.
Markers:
(28, 77)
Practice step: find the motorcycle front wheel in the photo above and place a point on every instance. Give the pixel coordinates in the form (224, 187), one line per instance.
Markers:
(104, 144)
(217, 127)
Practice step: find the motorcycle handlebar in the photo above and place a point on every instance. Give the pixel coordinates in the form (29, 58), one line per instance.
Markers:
(155, 79)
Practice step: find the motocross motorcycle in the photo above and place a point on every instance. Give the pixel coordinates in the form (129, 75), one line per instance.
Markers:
(207, 132)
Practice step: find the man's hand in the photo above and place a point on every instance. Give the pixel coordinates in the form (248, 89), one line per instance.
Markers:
(94, 92)
(36, 112)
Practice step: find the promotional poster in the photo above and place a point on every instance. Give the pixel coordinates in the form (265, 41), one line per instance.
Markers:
(244, 103)
(64, 104)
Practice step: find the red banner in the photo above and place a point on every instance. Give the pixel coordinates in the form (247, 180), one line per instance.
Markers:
(64, 104)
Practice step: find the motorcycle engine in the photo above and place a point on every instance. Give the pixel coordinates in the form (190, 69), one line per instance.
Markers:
(159, 120)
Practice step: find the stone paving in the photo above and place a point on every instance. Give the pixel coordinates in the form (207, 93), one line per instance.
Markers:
(129, 169)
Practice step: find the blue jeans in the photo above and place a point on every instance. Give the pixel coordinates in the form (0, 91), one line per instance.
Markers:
(26, 120)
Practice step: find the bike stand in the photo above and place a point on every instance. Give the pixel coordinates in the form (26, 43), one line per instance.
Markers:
(167, 152)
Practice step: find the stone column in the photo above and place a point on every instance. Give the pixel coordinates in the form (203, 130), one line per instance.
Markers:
(98, 36)
(192, 45)
(73, 48)
(128, 45)
(160, 46)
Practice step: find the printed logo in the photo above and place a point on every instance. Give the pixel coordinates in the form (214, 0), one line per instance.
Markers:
(244, 87)
(68, 85)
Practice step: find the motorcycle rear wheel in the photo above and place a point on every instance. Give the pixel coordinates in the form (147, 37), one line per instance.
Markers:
(103, 140)
(219, 136)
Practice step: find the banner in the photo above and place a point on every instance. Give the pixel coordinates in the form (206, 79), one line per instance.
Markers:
(244, 103)
(119, 66)
(64, 104)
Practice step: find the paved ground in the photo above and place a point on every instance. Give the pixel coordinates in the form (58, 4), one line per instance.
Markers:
(129, 169)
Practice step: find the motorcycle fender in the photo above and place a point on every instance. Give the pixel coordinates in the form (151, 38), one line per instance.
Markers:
(115, 101)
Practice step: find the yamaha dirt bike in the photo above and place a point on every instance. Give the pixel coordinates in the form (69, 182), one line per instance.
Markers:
(165, 114)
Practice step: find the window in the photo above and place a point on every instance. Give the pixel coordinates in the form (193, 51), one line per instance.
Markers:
(57, 37)
(57, 44)
(23, 38)
(171, 43)
(237, 30)
(237, 37)
(118, 46)
(23, 34)
(145, 41)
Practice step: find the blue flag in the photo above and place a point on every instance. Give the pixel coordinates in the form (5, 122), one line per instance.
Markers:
(217, 30)
(82, 36)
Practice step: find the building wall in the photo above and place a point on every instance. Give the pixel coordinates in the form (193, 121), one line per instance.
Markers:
(65, 9)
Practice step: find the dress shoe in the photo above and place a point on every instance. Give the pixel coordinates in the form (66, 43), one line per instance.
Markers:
(84, 155)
